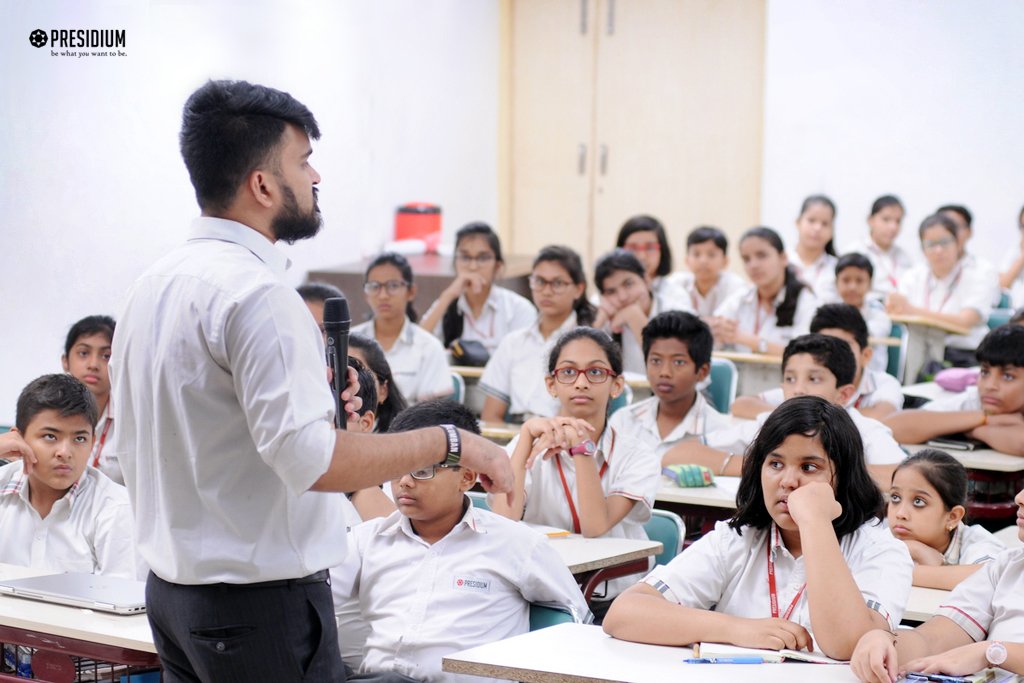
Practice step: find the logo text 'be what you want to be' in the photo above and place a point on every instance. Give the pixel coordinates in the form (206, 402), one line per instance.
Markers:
(80, 42)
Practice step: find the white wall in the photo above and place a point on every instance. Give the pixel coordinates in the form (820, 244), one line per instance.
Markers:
(919, 99)
(92, 187)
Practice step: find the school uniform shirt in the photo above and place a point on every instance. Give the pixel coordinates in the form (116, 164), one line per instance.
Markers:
(987, 604)
(820, 275)
(880, 448)
(640, 421)
(352, 629)
(672, 295)
(632, 473)
(503, 312)
(972, 545)
(874, 388)
(220, 398)
(632, 348)
(879, 325)
(727, 572)
(889, 266)
(968, 399)
(101, 457)
(418, 361)
(515, 373)
(705, 306)
(743, 307)
(1016, 288)
(474, 586)
(88, 530)
(964, 287)
(986, 270)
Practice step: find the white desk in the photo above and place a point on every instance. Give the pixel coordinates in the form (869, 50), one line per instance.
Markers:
(926, 340)
(926, 390)
(587, 554)
(575, 653)
(757, 372)
(981, 459)
(924, 603)
(721, 495)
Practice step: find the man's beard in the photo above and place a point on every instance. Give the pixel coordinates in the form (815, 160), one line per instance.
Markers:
(290, 224)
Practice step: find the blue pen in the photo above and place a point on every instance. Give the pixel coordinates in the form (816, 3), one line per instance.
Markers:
(725, 660)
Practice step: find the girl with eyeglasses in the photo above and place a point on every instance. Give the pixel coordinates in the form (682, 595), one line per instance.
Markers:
(572, 471)
(645, 237)
(417, 359)
(472, 307)
(513, 379)
(945, 290)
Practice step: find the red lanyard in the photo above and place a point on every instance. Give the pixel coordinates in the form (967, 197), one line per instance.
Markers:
(103, 439)
(565, 484)
(468, 317)
(949, 292)
(772, 595)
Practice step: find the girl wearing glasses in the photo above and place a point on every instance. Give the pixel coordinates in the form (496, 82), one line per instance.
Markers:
(472, 307)
(573, 472)
(513, 378)
(645, 237)
(944, 290)
(417, 359)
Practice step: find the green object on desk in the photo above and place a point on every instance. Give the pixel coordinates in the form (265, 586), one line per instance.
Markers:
(689, 476)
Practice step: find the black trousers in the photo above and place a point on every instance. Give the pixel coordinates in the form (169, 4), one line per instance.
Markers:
(222, 633)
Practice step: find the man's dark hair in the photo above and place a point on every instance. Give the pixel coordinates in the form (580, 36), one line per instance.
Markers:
(855, 260)
(318, 291)
(60, 392)
(687, 328)
(438, 411)
(88, 326)
(1002, 346)
(841, 317)
(830, 352)
(230, 128)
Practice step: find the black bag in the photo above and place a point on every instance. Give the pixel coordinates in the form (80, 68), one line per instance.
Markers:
(469, 352)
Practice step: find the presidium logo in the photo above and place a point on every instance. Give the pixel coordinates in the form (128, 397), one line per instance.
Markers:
(87, 42)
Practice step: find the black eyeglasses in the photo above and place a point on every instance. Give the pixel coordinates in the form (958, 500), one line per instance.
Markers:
(428, 472)
(538, 284)
(594, 374)
(391, 286)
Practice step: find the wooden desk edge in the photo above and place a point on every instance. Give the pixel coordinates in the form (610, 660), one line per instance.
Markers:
(625, 558)
(511, 673)
(739, 357)
(926, 322)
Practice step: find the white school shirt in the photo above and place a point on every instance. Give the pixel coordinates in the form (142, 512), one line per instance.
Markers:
(632, 473)
(474, 586)
(962, 288)
(503, 312)
(880, 448)
(874, 388)
(515, 373)
(632, 348)
(104, 434)
(221, 400)
(987, 604)
(1016, 288)
(640, 421)
(727, 572)
(742, 306)
(352, 630)
(88, 530)
(972, 545)
(820, 275)
(705, 306)
(986, 270)
(968, 399)
(879, 325)
(889, 266)
(418, 361)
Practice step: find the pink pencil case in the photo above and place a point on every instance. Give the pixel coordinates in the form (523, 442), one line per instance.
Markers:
(957, 379)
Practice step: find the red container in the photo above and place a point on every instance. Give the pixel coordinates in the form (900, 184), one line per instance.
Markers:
(418, 221)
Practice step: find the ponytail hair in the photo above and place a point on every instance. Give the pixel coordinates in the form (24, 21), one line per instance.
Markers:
(400, 262)
(452, 323)
(570, 261)
(830, 248)
(792, 285)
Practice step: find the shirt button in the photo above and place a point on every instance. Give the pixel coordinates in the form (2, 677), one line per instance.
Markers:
(220, 647)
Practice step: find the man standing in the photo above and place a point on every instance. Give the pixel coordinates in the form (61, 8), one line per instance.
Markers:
(225, 418)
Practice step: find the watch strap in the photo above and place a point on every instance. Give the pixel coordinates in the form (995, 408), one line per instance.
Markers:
(453, 444)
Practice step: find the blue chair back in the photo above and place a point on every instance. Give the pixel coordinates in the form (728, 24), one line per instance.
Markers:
(668, 528)
(1004, 300)
(459, 388)
(897, 354)
(542, 616)
(999, 316)
(724, 379)
(479, 499)
(622, 400)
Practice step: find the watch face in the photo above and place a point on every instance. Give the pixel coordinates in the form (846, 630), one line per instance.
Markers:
(996, 653)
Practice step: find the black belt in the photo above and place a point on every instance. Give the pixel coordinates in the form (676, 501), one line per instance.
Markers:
(322, 576)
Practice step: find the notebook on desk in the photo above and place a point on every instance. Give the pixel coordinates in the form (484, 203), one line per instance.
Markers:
(100, 593)
(957, 442)
(715, 651)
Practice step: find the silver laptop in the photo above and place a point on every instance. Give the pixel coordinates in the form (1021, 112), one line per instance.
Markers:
(101, 593)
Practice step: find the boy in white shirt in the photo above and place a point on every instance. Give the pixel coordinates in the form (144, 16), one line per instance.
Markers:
(815, 365)
(677, 348)
(854, 275)
(56, 512)
(440, 575)
(709, 281)
(981, 267)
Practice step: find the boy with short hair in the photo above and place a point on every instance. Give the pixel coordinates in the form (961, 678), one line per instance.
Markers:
(878, 394)
(440, 575)
(815, 365)
(709, 281)
(56, 512)
(314, 294)
(992, 412)
(677, 350)
(854, 275)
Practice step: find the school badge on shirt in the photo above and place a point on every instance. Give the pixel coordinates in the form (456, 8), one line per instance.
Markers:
(469, 583)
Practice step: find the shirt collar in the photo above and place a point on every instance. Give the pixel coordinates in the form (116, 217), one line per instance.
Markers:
(224, 230)
(400, 523)
(534, 329)
(490, 304)
(866, 386)
(19, 486)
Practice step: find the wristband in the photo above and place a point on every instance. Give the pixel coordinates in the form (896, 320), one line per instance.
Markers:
(588, 447)
(453, 439)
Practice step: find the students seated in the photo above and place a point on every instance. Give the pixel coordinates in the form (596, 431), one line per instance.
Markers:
(626, 304)
(814, 256)
(472, 307)
(314, 294)
(854, 275)
(56, 512)
(982, 266)
(878, 394)
(645, 237)
(708, 282)
(1011, 277)
(805, 556)
(86, 356)
(927, 504)
(417, 359)
(979, 626)
(815, 365)
(390, 401)
(888, 259)
(440, 575)
(945, 290)
(777, 307)
(992, 411)
(514, 377)
(571, 471)
(677, 347)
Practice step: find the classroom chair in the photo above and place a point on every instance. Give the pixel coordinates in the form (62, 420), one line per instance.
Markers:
(479, 499)
(724, 379)
(622, 400)
(999, 316)
(542, 616)
(459, 386)
(668, 528)
(897, 366)
(1004, 300)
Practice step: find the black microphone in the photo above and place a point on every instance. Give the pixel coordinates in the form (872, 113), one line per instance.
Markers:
(336, 324)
